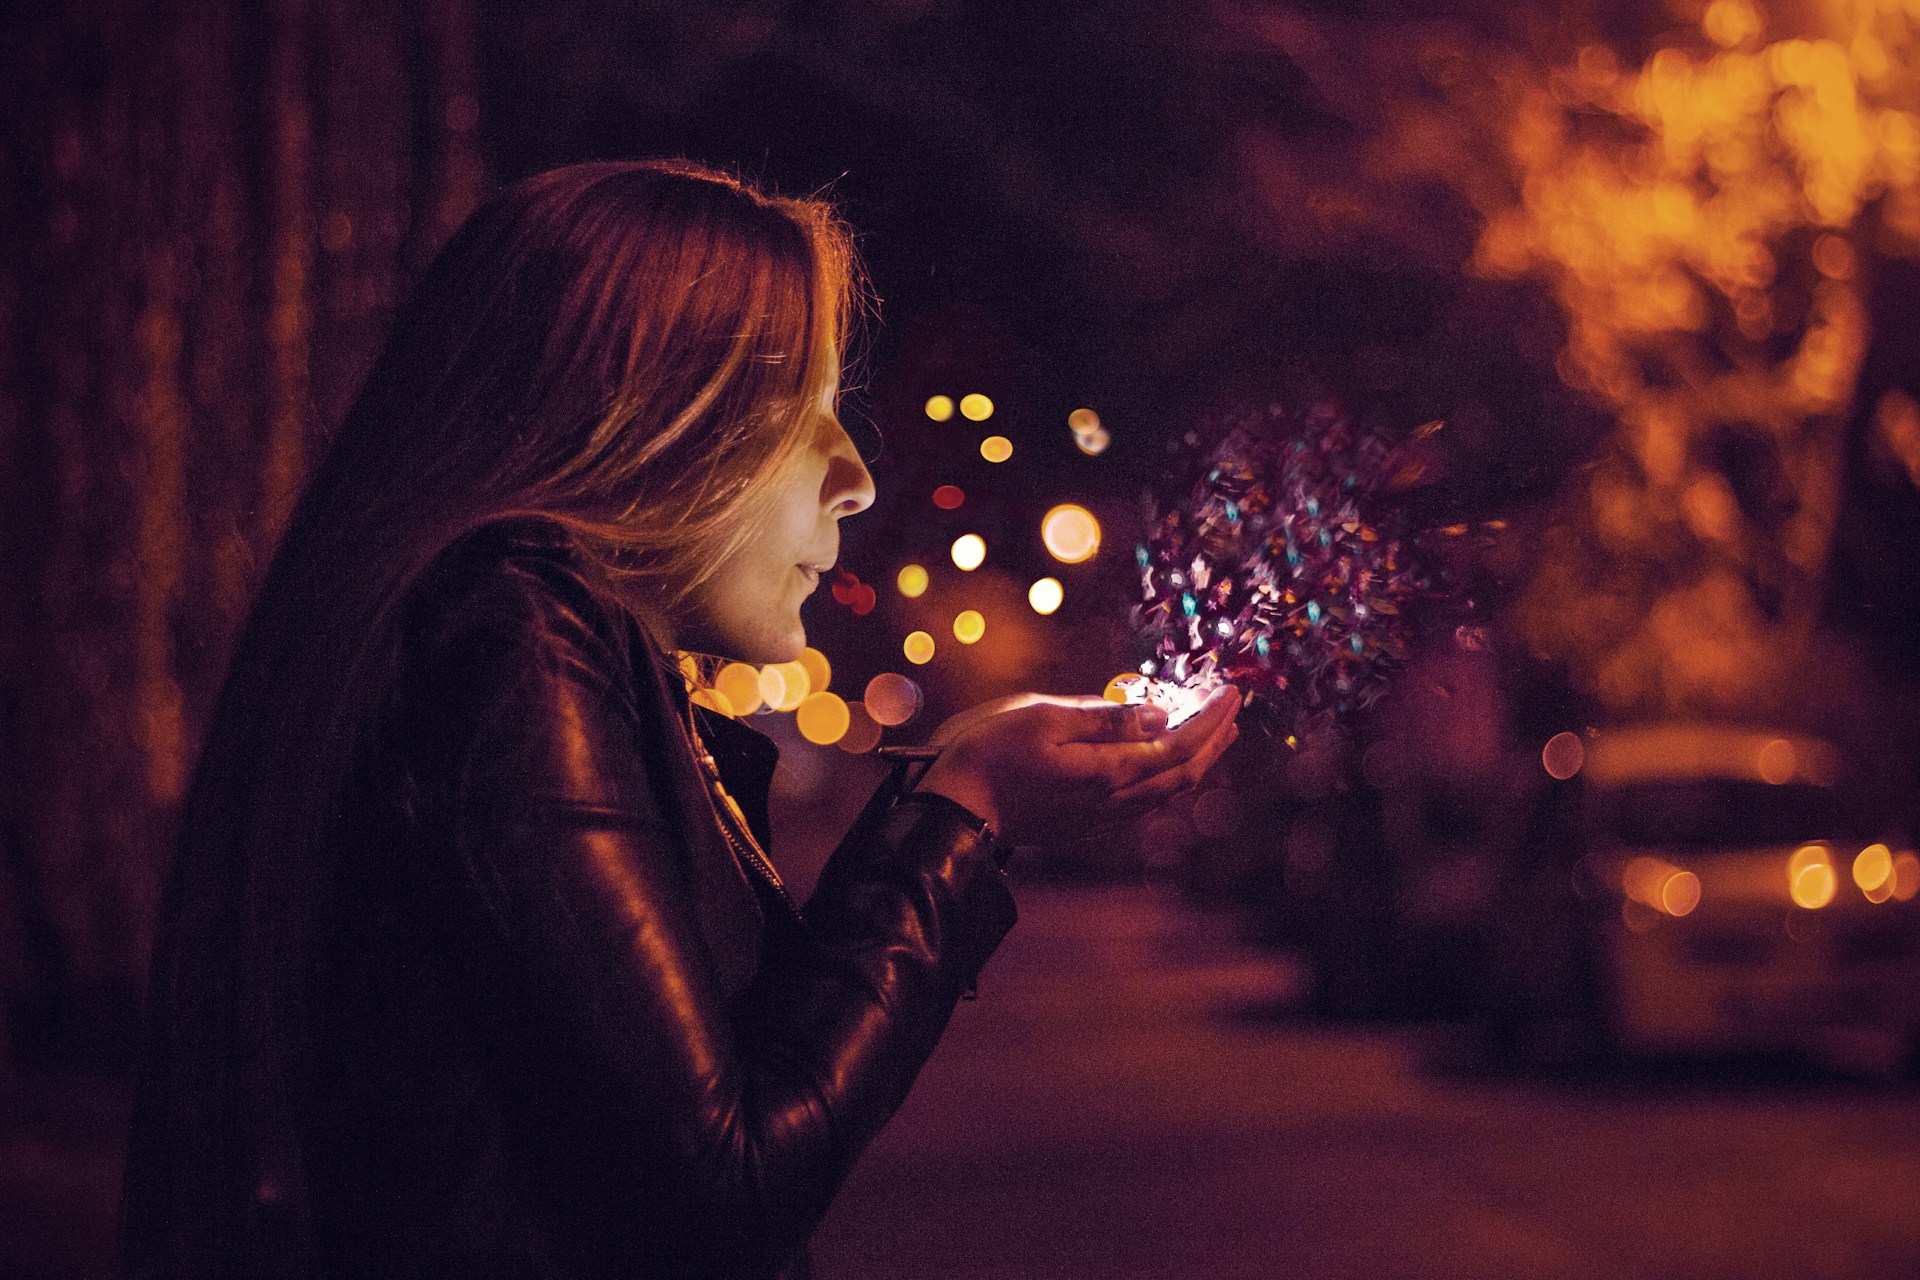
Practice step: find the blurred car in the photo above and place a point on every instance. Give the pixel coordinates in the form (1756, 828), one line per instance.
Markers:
(1744, 907)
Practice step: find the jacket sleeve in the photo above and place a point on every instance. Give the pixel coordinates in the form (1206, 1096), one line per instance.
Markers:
(704, 1134)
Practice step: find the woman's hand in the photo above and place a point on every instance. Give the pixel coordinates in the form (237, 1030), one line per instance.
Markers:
(1040, 768)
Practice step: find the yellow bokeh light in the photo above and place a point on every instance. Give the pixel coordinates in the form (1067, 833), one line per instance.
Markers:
(891, 698)
(1046, 595)
(912, 581)
(1680, 893)
(969, 626)
(712, 700)
(919, 648)
(996, 448)
(741, 685)
(940, 408)
(822, 718)
(1070, 533)
(976, 407)
(1873, 870)
(784, 685)
(1094, 443)
(969, 551)
(819, 670)
(1083, 421)
(1810, 877)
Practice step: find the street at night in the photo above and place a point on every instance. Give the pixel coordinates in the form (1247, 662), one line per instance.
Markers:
(1123, 1102)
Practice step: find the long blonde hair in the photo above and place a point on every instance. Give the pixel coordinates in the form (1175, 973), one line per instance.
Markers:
(634, 350)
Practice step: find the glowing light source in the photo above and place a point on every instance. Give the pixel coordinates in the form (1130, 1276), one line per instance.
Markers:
(1906, 875)
(819, 670)
(1070, 532)
(712, 700)
(1094, 443)
(892, 699)
(822, 718)
(784, 685)
(940, 408)
(1116, 690)
(1680, 893)
(976, 407)
(1873, 872)
(1810, 877)
(1046, 595)
(912, 581)
(948, 496)
(863, 731)
(1563, 755)
(996, 448)
(1776, 762)
(969, 626)
(969, 551)
(1656, 883)
(740, 684)
(1083, 421)
(919, 648)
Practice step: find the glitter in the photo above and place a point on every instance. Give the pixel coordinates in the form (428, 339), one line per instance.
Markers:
(1291, 536)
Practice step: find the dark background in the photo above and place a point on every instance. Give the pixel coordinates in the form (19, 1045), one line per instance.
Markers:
(1162, 210)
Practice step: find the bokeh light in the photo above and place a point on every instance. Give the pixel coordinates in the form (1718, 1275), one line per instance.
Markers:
(1873, 872)
(784, 685)
(1563, 755)
(822, 718)
(996, 448)
(918, 647)
(1906, 875)
(948, 496)
(1046, 595)
(1083, 421)
(819, 670)
(1094, 443)
(892, 699)
(1810, 877)
(712, 700)
(1776, 762)
(863, 731)
(940, 408)
(975, 407)
(969, 551)
(912, 581)
(741, 685)
(1680, 893)
(1071, 533)
(969, 626)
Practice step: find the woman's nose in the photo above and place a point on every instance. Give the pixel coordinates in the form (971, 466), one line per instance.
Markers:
(848, 488)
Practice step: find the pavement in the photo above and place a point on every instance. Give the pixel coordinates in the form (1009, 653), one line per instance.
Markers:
(1129, 1097)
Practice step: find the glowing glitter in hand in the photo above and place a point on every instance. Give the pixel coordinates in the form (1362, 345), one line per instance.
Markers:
(1288, 570)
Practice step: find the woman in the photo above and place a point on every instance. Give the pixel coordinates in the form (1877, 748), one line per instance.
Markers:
(472, 962)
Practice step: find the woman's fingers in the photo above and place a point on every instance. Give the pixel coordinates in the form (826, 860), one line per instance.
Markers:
(1124, 763)
(1099, 720)
(1180, 776)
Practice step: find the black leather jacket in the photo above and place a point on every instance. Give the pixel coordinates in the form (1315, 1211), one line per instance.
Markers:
(565, 1026)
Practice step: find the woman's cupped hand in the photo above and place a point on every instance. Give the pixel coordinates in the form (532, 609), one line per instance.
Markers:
(1042, 768)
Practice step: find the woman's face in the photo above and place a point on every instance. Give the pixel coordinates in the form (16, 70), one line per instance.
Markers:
(749, 610)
